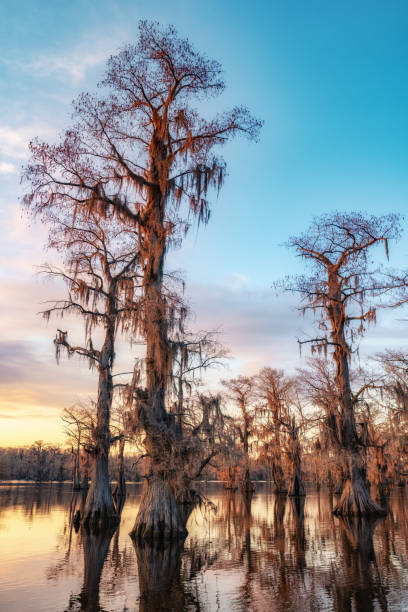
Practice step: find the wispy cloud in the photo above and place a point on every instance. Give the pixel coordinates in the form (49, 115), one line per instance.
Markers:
(14, 140)
(73, 63)
(7, 168)
(258, 327)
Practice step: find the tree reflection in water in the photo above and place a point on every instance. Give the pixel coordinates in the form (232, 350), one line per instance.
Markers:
(260, 552)
(357, 583)
(95, 546)
(167, 573)
(160, 582)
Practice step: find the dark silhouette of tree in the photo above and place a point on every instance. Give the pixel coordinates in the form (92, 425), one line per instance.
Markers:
(143, 154)
(341, 291)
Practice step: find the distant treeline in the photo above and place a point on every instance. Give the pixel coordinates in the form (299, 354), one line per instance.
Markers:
(42, 462)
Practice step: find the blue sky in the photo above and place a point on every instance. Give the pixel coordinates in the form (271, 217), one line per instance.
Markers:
(330, 80)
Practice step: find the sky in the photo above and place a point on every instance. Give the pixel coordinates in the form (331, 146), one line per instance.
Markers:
(330, 81)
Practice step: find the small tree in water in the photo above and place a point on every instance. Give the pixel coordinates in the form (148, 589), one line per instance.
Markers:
(138, 153)
(241, 391)
(280, 427)
(340, 291)
(273, 388)
(101, 274)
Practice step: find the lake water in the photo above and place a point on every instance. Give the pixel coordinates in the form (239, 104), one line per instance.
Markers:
(265, 555)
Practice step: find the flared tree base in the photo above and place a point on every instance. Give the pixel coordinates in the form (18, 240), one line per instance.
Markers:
(159, 516)
(356, 501)
(99, 512)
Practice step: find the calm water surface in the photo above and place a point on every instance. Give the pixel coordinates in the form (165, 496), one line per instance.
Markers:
(267, 554)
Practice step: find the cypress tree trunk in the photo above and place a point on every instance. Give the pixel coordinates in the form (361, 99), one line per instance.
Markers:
(297, 489)
(247, 485)
(99, 508)
(278, 478)
(120, 490)
(277, 471)
(76, 476)
(355, 499)
(159, 515)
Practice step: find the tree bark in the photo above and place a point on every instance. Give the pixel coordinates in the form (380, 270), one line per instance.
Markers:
(99, 508)
(120, 490)
(85, 477)
(246, 484)
(297, 489)
(355, 498)
(76, 476)
(159, 516)
(278, 478)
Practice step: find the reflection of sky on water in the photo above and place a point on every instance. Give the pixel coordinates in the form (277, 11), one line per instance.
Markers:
(269, 554)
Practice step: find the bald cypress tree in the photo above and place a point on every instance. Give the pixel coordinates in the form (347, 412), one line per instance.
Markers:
(142, 154)
(341, 291)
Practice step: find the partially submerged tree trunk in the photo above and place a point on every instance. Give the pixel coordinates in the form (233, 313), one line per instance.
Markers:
(278, 478)
(159, 516)
(329, 481)
(76, 475)
(297, 489)
(355, 499)
(342, 278)
(85, 472)
(230, 484)
(99, 508)
(247, 486)
(99, 511)
(144, 152)
(120, 490)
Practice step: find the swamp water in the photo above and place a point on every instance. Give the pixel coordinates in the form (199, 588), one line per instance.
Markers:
(270, 554)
